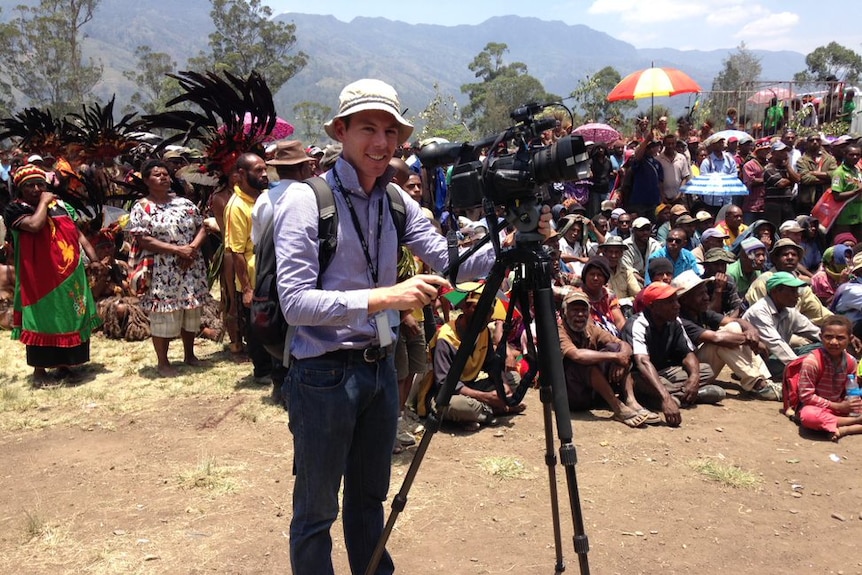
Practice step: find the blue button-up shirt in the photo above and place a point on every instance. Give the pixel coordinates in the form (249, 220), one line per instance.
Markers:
(685, 261)
(336, 316)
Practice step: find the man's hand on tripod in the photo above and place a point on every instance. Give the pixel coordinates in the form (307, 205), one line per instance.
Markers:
(545, 222)
(412, 293)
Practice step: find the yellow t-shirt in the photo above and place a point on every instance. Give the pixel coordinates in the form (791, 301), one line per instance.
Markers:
(237, 232)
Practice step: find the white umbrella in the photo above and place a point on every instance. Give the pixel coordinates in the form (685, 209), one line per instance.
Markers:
(728, 134)
(715, 185)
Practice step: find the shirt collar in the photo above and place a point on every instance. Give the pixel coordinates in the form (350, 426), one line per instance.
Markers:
(772, 309)
(242, 195)
(350, 179)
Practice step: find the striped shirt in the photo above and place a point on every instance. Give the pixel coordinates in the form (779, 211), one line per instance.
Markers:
(819, 386)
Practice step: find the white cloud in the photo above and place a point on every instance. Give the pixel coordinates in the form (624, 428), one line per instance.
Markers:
(769, 26)
(736, 13)
(652, 12)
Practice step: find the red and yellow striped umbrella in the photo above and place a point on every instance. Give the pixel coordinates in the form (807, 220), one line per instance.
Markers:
(653, 82)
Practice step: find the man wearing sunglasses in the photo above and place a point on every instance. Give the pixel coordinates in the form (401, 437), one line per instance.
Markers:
(675, 251)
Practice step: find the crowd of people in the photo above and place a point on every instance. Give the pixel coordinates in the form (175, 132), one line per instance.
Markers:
(658, 290)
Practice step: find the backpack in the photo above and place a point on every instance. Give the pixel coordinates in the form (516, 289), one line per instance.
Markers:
(790, 383)
(267, 318)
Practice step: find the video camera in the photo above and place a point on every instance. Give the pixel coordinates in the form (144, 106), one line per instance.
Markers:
(504, 177)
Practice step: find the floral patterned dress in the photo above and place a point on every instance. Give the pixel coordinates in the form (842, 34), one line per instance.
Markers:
(175, 222)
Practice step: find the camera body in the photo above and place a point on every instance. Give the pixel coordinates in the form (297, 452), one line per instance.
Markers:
(504, 177)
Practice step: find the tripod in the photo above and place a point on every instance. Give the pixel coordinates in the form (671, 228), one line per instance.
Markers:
(527, 255)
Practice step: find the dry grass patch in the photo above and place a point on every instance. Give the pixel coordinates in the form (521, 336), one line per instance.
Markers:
(209, 475)
(504, 467)
(725, 473)
(120, 379)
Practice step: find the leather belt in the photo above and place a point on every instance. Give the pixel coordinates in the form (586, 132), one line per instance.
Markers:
(371, 354)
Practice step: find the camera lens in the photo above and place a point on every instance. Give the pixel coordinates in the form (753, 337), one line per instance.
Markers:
(566, 160)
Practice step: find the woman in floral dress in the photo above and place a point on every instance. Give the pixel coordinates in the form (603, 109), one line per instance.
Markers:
(168, 232)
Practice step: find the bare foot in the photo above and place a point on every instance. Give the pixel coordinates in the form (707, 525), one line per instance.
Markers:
(196, 362)
(41, 377)
(167, 370)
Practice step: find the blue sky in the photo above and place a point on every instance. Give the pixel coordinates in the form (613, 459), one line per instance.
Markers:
(682, 24)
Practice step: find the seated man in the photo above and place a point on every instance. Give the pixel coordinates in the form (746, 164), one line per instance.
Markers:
(723, 294)
(639, 247)
(475, 400)
(785, 256)
(748, 266)
(660, 270)
(824, 405)
(594, 361)
(605, 308)
(722, 340)
(673, 249)
(664, 359)
(709, 239)
(624, 282)
(777, 320)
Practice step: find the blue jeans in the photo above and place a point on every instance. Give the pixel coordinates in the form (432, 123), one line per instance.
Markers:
(343, 417)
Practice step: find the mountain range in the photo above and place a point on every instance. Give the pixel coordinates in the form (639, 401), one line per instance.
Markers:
(411, 57)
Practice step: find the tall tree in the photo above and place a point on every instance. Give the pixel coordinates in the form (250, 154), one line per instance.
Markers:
(155, 88)
(310, 117)
(503, 88)
(45, 61)
(591, 94)
(831, 63)
(442, 118)
(246, 39)
(740, 69)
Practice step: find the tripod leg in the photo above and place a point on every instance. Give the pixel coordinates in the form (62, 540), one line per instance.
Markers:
(483, 309)
(552, 376)
(546, 394)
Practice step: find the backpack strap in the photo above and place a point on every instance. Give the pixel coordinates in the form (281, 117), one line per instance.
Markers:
(327, 223)
(398, 210)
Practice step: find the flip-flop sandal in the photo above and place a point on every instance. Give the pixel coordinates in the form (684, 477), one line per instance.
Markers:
(634, 420)
(651, 417)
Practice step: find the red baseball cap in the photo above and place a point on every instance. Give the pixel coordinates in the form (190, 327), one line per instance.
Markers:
(657, 291)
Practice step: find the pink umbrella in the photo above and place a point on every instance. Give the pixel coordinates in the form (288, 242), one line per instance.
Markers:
(282, 129)
(598, 133)
(766, 95)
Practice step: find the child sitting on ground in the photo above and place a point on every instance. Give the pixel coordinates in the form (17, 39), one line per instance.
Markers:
(822, 383)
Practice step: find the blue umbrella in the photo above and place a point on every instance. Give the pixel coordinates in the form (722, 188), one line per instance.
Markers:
(715, 185)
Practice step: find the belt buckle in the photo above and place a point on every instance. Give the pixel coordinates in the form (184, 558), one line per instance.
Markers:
(371, 354)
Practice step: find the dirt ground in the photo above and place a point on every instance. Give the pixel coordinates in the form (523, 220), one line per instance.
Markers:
(126, 473)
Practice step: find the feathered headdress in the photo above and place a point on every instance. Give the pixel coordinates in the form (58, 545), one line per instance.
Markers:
(236, 116)
(39, 131)
(95, 136)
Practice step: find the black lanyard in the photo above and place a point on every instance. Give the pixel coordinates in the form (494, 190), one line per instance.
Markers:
(355, 219)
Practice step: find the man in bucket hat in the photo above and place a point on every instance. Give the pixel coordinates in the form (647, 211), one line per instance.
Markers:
(341, 389)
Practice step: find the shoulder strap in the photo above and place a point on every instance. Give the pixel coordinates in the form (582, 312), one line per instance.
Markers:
(327, 223)
(397, 209)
